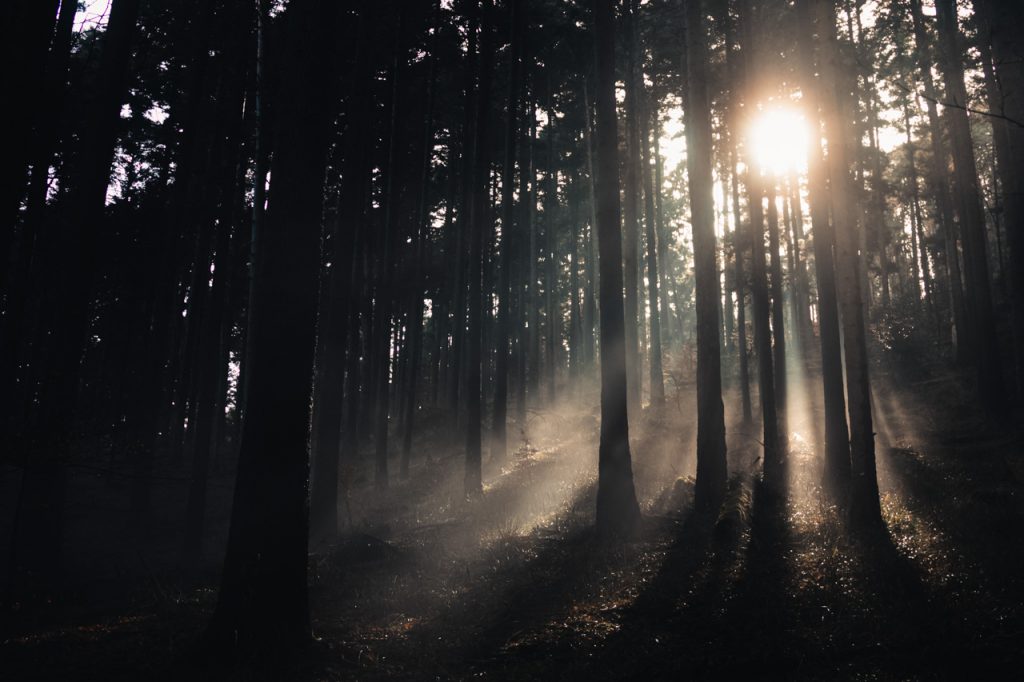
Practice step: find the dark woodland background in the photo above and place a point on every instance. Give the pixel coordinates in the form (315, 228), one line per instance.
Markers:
(512, 339)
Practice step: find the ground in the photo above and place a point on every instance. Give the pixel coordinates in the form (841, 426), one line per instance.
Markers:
(515, 585)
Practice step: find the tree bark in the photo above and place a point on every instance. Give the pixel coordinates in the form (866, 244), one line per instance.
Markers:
(651, 223)
(499, 437)
(630, 214)
(263, 600)
(479, 222)
(864, 506)
(774, 457)
(1008, 53)
(980, 314)
(711, 450)
(837, 436)
(940, 185)
(617, 508)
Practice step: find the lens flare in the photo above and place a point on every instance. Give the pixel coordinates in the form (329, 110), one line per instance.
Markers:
(778, 141)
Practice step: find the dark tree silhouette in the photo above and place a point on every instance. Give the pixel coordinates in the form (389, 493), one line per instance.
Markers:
(617, 509)
(263, 599)
(711, 464)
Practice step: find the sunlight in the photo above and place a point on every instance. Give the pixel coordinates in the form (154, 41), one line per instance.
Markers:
(672, 142)
(778, 140)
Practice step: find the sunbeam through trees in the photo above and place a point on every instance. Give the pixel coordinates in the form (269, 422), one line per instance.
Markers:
(512, 339)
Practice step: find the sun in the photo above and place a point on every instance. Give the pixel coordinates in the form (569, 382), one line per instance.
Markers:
(778, 140)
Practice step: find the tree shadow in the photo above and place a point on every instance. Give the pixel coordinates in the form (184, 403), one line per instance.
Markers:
(757, 621)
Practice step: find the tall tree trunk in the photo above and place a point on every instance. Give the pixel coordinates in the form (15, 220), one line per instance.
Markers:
(1008, 52)
(940, 184)
(524, 262)
(466, 175)
(532, 288)
(333, 326)
(617, 508)
(651, 223)
(499, 438)
(382, 313)
(711, 453)
(479, 223)
(418, 284)
(801, 285)
(864, 506)
(15, 271)
(267, 543)
(991, 389)
(739, 238)
(73, 265)
(575, 325)
(590, 293)
(665, 313)
(552, 317)
(631, 223)
(837, 437)
(778, 315)
(23, 67)
(231, 95)
(774, 457)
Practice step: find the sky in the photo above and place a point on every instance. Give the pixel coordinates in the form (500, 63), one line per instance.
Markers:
(92, 13)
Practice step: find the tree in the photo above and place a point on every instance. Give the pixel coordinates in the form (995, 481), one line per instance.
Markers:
(631, 213)
(209, 362)
(739, 239)
(479, 223)
(1008, 53)
(711, 451)
(263, 598)
(940, 183)
(71, 254)
(980, 314)
(837, 436)
(617, 508)
(651, 233)
(24, 64)
(334, 322)
(864, 506)
(778, 313)
(774, 456)
(499, 443)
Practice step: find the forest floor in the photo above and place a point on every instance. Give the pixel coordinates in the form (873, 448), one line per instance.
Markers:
(514, 584)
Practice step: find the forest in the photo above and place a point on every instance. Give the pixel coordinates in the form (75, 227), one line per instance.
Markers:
(512, 339)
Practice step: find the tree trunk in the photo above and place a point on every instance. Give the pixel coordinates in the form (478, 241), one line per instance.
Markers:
(418, 284)
(739, 239)
(231, 95)
(263, 598)
(499, 438)
(774, 457)
(837, 437)
(30, 34)
(1008, 52)
(651, 222)
(778, 316)
(631, 224)
(940, 185)
(981, 317)
(479, 222)
(864, 507)
(711, 453)
(617, 509)
(73, 267)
